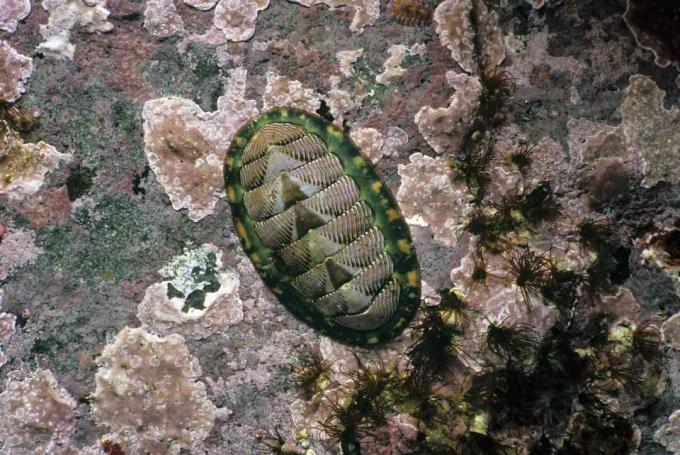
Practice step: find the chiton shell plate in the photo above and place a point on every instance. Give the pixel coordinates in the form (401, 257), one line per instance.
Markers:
(321, 228)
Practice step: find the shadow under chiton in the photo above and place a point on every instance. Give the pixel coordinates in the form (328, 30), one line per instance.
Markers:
(323, 231)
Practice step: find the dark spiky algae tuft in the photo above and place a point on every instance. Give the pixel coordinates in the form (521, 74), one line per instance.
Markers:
(321, 228)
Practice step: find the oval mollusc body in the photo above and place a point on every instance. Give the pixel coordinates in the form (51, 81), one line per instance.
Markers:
(323, 231)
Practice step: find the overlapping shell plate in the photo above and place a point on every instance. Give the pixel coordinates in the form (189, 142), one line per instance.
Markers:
(321, 228)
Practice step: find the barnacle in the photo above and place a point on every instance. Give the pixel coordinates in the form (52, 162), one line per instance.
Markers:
(436, 346)
(511, 341)
(497, 87)
(273, 442)
(17, 116)
(472, 164)
(321, 228)
(452, 307)
(521, 156)
(530, 271)
(311, 371)
(363, 408)
(410, 12)
(646, 342)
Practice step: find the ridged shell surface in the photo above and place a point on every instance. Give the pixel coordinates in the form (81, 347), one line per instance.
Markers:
(323, 231)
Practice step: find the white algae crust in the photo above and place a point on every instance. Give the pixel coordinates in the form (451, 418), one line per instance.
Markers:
(148, 394)
(38, 415)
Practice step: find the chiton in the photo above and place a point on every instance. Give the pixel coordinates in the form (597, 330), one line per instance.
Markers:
(321, 228)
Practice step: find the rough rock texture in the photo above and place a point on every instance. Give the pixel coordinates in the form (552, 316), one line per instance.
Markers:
(149, 396)
(204, 5)
(536, 4)
(671, 331)
(38, 415)
(185, 146)
(654, 25)
(346, 59)
(15, 70)
(443, 127)
(7, 329)
(236, 18)
(122, 234)
(669, 434)
(11, 12)
(370, 142)
(428, 197)
(25, 166)
(392, 66)
(281, 91)
(474, 46)
(161, 18)
(17, 249)
(198, 297)
(651, 130)
(366, 12)
(66, 15)
(497, 298)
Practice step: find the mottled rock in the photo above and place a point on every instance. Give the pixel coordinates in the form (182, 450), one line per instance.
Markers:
(38, 415)
(370, 142)
(493, 297)
(346, 59)
(161, 18)
(366, 12)
(7, 326)
(392, 69)
(236, 18)
(203, 5)
(149, 395)
(17, 250)
(66, 15)
(443, 127)
(15, 69)
(185, 146)
(536, 4)
(7, 329)
(669, 433)
(671, 331)
(536, 52)
(375, 145)
(198, 297)
(11, 12)
(23, 167)
(428, 197)
(281, 91)
(457, 32)
(651, 130)
(655, 25)
(623, 304)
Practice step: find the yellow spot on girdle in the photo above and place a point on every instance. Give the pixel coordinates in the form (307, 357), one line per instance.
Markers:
(284, 113)
(241, 231)
(359, 161)
(412, 278)
(372, 340)
(376, 186)
(231, 194)
(106, 276)
(334, 131)
(404, 246)
(239, 141)
(255, 258)
(392, 215)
